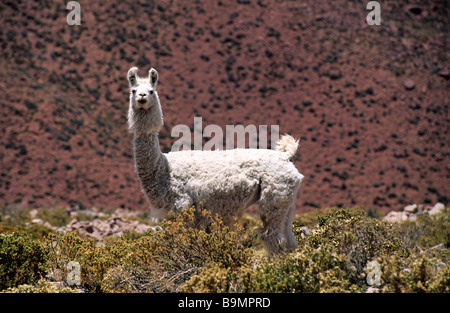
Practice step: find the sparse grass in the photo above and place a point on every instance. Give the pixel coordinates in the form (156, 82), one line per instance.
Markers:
(180, 257)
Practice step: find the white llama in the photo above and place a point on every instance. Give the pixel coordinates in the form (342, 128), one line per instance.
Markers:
(226, 182)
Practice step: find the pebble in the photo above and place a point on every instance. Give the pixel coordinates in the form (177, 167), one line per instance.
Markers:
(409, 84)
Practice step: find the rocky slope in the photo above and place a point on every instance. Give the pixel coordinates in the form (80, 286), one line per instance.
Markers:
(370, 103)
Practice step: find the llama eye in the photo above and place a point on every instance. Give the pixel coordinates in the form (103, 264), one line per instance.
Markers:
(151, 92)
(133, 91)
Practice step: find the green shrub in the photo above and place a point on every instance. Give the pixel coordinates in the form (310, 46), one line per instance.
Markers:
(359, 237)
(23, 259)
(309, 219)
(426, 231)
(420, 272)
(41, 286)
(162, 261)
(152, 262)
(94, 260)
(304, 270)
(179, 256)
(57, 217)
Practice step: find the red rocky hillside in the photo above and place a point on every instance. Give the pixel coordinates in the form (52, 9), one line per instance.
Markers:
(369, 103)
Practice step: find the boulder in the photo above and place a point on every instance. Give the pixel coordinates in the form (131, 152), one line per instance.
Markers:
(437, 208)
(412, 208)
(37, 221)
(396, 217)
(33, 213)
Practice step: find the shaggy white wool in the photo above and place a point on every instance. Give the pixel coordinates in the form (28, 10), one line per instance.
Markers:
(224, 182)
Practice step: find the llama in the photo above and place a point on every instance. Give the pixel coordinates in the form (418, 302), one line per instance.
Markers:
(226, 182)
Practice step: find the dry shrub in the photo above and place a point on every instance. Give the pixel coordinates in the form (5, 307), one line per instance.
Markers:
(357, 236)
(162, 261)
(23, 259)
(181, 256)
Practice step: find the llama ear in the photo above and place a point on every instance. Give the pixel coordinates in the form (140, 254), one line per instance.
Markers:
(132, 76)
(153, 77)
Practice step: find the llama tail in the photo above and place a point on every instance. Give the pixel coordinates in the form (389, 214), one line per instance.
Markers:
(287, 144)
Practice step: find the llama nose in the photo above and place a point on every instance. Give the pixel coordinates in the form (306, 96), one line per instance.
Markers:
(142, 95)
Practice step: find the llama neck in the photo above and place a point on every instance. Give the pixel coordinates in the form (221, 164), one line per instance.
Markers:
(152, 168)
(146, 150)
(148, 157)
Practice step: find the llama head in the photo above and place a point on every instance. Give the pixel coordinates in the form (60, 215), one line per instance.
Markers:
(144, 114)
(143, 90)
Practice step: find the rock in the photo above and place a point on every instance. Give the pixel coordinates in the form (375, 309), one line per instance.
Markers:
(412, 208)
(33, 213)
(438, 266)
(37, 221)
(103, 227)
(409, 84)
(372, 290)
(396, 217)
(155, 228)
(438, 208)
(412, 211)
(444, 73)
(412, 217)
(305, 231)
(141, 228)
(438, 247)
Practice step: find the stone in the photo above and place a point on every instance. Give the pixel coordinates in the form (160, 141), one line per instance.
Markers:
(141, 228)
(412, 208)
(437, 208)
(409, 84)
(412, 217)
(396, 217)
(438, 266)
(305, 231)
(373, 290)
(438, 246)
(33, 213)
(103, 227)
(444, 73)
(37, 221)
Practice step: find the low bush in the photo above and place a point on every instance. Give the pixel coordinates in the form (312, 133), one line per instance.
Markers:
(157, 261)
(42, 286)
(23, 259)
(94, 260)
(162, 261)
(421, 272)
(426, 231)
(304, 270)
(359, 237)
(179, 256)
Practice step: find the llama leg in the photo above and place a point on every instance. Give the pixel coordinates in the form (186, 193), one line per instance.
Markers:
(273, 233)
(291, 241)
